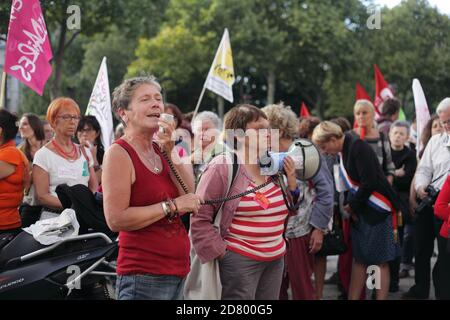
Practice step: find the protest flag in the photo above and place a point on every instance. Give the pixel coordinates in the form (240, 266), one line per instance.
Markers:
(361, 94)
(99, 105)
(304, 112)
(422, 112)
(221, 76)
(28, 51)
(382, 90)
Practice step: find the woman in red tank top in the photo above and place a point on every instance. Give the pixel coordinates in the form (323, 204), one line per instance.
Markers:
(142, 199)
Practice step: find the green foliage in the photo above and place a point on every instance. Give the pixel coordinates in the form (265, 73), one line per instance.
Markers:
(313, 50)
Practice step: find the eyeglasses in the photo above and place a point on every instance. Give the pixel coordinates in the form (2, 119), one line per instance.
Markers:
(68, 117)
(86, 130)
(445, 123)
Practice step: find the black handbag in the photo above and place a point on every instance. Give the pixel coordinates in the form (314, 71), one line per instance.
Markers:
(333, 242)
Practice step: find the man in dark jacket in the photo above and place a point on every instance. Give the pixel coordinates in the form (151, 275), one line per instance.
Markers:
(405, 166)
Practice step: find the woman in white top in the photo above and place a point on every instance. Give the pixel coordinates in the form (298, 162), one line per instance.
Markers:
(61, 161)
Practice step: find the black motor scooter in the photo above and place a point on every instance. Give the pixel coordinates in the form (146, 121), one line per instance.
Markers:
(75, 268)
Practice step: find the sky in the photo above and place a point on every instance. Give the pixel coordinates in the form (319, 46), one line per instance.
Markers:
(443, 5)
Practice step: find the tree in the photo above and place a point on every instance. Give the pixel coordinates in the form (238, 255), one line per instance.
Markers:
(412, 43)
(118, 56)
(96, 17)
(178, 58)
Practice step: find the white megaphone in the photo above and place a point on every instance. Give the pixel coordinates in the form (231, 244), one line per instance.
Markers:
(305, 155)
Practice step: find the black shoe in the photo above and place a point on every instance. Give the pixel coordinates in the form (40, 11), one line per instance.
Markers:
(334, 279)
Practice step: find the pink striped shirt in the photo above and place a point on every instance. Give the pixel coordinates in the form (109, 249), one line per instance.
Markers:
(255, 232)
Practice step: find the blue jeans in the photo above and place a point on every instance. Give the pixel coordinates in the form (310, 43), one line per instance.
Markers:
(149, 287)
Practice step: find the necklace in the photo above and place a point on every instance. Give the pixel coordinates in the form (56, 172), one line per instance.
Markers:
(67, 155)
(153, 164)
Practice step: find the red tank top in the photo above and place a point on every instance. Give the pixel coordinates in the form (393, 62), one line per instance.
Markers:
(161, 248)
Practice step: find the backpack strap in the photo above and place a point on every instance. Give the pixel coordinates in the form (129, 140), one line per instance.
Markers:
(231, 177)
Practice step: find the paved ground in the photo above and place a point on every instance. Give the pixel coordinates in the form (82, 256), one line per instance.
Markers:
(331, 292)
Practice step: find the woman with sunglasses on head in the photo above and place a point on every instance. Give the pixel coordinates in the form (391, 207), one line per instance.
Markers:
(61, 161)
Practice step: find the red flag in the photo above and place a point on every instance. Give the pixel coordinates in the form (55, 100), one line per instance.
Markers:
(28, 49)
(382, 90)
(304, 113)
(361, 94)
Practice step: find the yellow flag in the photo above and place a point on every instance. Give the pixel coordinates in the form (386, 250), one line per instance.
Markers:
(221, 75)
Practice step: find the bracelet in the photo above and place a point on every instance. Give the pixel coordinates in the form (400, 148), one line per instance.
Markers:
(173, 208)
(174, 201)
(165, 208)
(170, 214)
(295, 193)
(97, 168)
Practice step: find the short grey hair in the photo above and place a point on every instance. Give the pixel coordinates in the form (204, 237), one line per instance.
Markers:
(123, 94)
(401, 124)
(443, 106)
(281, 117)
(207, 116)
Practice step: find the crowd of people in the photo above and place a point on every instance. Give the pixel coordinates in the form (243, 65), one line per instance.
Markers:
(389, 200)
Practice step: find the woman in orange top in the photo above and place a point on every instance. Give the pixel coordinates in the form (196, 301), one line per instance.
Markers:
(14, 174)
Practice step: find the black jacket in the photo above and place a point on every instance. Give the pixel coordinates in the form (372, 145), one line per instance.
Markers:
(361, 164)
(407, 158)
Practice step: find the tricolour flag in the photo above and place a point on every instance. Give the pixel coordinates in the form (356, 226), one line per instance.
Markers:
(422, 112)
(382, 90)
(28, 49)
(100, 105)
(221, 75)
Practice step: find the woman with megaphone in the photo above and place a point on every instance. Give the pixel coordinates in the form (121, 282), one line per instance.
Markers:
(307, 225)
(371, 204)
(249, 244)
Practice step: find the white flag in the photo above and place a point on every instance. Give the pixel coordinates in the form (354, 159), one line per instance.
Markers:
(100, 105)
(221, 75)
(422, 112)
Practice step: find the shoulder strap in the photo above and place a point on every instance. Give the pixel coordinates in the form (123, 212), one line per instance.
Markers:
(231, 177)
(285, 192)
(383, 150)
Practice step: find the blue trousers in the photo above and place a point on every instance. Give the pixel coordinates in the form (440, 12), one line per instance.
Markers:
(149, 287)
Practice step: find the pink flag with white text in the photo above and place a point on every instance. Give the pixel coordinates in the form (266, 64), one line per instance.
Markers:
(28, 49)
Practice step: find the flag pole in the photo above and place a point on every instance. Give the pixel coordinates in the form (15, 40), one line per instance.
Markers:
(198, 104)
(3, 91)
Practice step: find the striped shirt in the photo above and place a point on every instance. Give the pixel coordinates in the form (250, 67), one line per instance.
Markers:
(255, 232)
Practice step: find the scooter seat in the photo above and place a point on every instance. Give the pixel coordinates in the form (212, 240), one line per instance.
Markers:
(22, 244)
